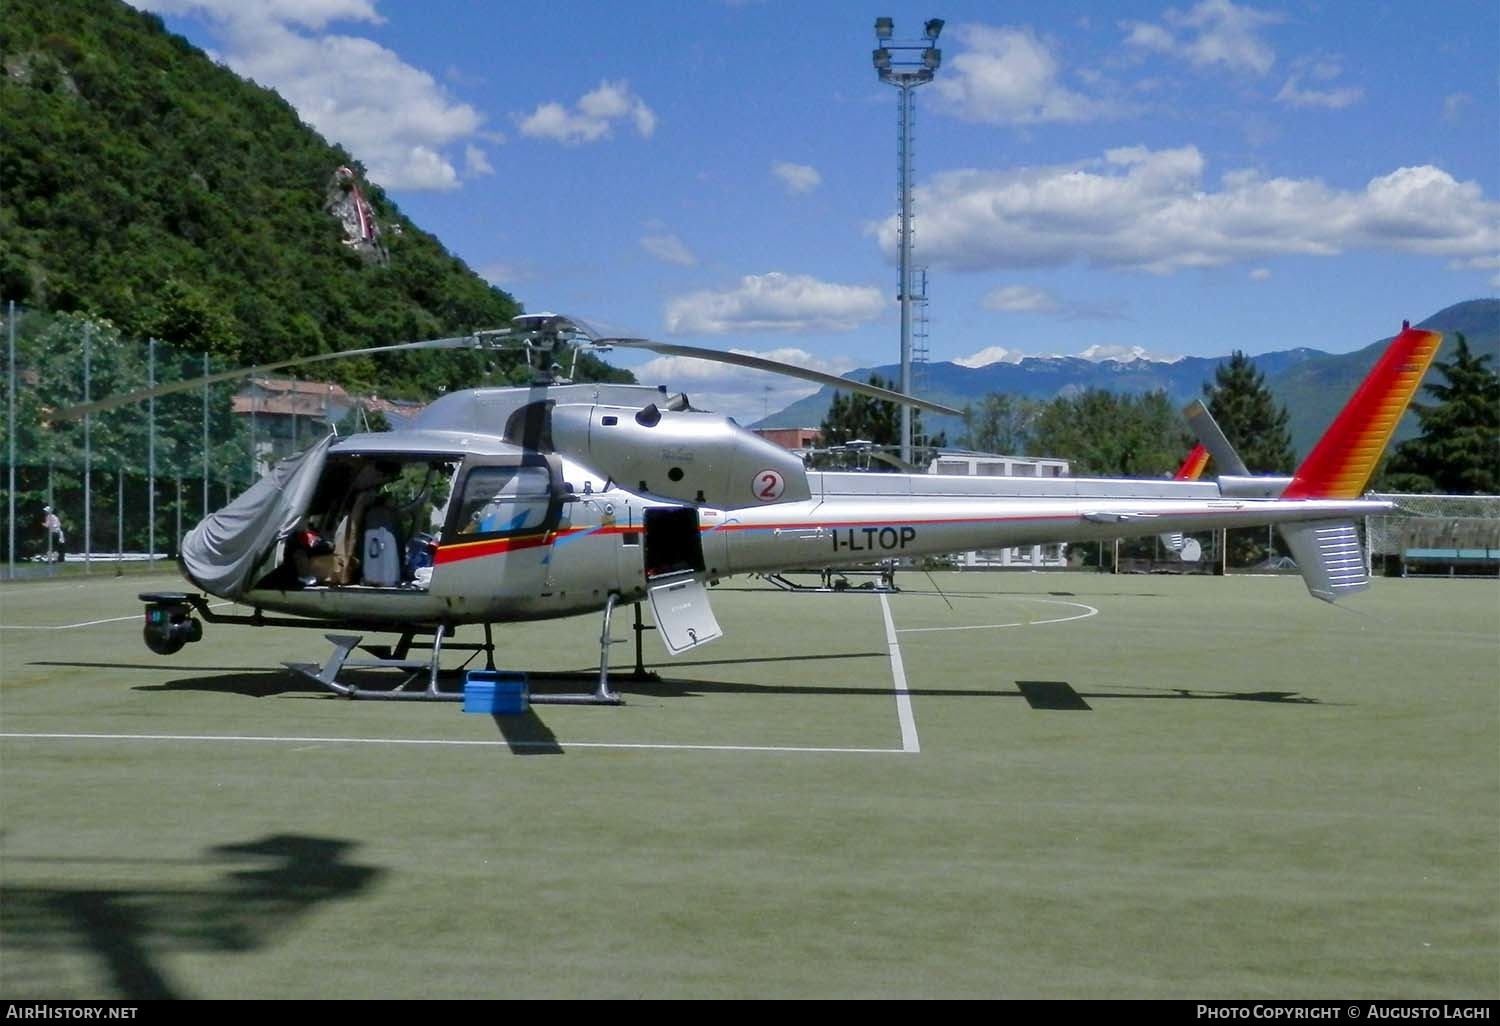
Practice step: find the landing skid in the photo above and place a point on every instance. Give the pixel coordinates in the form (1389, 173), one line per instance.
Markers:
(388, 657)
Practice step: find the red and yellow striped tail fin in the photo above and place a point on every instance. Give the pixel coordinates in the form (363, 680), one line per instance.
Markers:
(1192, 467)
(1341, 463)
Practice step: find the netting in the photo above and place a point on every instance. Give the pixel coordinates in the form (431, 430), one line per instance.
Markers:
(1461, 523)
(133, 479)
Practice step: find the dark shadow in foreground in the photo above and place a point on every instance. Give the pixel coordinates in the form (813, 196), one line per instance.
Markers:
(266, 886)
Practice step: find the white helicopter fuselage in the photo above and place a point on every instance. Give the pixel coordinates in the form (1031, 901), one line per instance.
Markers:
(608, 540)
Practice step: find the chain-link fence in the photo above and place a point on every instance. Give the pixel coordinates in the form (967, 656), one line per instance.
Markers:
(126, 483)
(1437, 535)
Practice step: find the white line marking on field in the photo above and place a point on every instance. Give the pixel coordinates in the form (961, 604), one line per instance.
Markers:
(37, 589)
(442, 742)
(86, 623)
(909, 742)
(1088, 612)
(66, 626)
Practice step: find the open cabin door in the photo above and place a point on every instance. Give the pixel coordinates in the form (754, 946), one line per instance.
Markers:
(674, 561)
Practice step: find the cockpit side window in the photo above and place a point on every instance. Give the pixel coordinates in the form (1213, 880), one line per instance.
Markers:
(504, 500)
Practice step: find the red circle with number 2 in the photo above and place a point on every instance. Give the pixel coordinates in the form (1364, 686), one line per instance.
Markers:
(768, 485)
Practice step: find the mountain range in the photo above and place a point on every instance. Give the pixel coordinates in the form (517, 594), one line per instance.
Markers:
(1312, 384)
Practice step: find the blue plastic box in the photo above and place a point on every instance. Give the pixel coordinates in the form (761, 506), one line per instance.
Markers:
(496, 692)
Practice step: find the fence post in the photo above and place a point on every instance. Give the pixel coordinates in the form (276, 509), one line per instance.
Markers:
(10, 421)
(151, 460)
(88, 448)
(120, 518)
(205, 437)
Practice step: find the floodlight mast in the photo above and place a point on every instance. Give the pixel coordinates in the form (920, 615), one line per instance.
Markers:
(913, 63)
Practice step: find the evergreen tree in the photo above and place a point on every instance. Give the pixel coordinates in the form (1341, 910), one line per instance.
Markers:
(1254, 423)
(1458, 451)
(858, 417)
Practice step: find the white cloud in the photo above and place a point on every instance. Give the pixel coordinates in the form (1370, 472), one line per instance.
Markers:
(1454, 104)
(1260, 274)
(592, 118)
(1213, 32)
(747, 395)
(1122, 354)
(775, 302)
(1009, 76)
(1295, 94)
(1150, 210)
(313, 14)
(475, 161)
(669, 248)
(1027, 299)
(989, 355)
(506, 275)
(797, 177)
(1483, 263)
(1019, 299)
(1096, 353)
(393, 117)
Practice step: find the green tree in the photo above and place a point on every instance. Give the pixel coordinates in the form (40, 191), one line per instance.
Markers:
(149, 186)
(1458, 451)
(1103, 433)
(1256, 425)
(858, 417)
(1253, 421)
(1001, 423)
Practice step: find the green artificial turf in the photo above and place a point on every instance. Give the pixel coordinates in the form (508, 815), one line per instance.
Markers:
(1208, 788)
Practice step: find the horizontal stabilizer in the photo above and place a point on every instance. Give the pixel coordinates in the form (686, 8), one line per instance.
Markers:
(1330, 557)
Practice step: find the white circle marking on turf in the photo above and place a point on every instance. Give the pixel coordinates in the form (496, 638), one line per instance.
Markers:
(1088, 611)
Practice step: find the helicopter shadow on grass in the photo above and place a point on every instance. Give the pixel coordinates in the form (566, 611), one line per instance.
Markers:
(264, 888)
(250, 681)
(528, 734)
(1038, 694)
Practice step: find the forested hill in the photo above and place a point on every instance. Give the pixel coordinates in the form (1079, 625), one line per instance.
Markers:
(146, 184)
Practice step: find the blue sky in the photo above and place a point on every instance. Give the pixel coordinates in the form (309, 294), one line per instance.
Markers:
(1176, 179)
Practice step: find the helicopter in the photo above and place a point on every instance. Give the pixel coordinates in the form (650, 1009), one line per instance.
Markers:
(557, 499)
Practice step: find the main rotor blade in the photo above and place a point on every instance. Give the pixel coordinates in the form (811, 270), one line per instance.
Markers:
(171, 387)
(776, 367)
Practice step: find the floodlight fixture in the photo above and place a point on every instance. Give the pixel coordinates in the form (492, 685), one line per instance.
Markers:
(884, 28)
(932, 28)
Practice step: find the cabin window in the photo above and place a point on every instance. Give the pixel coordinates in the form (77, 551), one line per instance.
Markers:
(504, 500)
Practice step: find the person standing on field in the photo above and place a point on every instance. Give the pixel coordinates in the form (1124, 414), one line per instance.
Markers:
(53, 526)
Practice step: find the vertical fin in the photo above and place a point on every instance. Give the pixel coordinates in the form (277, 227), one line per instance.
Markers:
(1341, 463)
(1226, 460)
